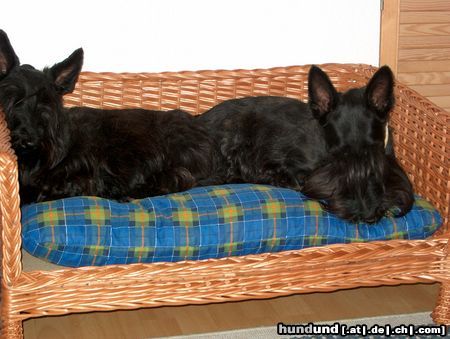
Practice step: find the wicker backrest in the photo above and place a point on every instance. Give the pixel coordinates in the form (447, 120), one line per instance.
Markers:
(197, 91)
(414, 117)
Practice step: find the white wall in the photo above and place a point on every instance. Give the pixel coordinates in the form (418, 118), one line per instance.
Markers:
(174, 35)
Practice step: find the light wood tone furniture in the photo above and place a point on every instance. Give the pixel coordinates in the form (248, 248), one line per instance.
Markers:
(415, 42)
(422, 146)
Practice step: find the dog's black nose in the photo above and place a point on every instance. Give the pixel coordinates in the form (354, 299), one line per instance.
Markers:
(371, 219)
(22, 145)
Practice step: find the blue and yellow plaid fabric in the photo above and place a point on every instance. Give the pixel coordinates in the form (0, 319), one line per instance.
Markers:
(202, 223)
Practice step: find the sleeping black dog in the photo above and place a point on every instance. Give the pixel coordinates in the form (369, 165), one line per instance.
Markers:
(118, 154)
(335, 149)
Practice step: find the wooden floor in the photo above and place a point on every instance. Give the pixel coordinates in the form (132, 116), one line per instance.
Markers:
(166, 321)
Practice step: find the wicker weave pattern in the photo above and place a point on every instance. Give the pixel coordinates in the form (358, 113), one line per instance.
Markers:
(236, 278)
(195, 92)
(422, 145)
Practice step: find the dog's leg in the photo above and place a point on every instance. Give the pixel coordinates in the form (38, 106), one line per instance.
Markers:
(279, 175)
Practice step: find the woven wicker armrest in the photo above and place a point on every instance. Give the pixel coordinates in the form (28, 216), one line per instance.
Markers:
(421, 136)
(9, 206)
(5, 145)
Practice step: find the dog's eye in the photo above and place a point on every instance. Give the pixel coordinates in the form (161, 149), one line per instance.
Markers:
(18, 102)
(45, 99)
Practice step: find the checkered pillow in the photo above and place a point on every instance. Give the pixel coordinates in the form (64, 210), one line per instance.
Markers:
(202, 223)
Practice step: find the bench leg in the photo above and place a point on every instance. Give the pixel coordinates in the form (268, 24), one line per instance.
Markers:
(12, 329)
(9, 327)
(441, 313)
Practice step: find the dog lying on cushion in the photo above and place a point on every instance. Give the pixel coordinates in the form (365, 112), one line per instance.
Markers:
(335, 149)
(117, 154)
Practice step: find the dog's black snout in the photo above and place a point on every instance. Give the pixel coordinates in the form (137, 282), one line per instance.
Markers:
(22, 140)
(371, 217)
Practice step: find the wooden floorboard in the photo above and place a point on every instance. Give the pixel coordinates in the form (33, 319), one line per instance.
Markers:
(166, 321)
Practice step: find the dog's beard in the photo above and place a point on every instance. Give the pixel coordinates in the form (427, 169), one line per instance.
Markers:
(361, 187)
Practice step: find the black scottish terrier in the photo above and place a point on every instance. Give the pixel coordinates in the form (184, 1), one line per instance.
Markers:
(117, 154)
(335, 149)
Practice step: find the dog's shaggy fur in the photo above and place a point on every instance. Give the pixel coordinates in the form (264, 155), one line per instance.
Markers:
(332, 149)
(118, 154)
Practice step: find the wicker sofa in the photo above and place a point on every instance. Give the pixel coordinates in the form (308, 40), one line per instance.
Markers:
(422, 144)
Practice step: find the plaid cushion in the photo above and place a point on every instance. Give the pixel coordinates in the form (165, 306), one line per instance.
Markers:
(202, 223)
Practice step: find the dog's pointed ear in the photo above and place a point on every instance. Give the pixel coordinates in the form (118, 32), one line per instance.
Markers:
(380, 92)
(8, 58)
(322, 94)
(65, 74)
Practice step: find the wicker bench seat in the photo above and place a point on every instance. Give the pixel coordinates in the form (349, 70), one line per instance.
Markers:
(421, 136)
